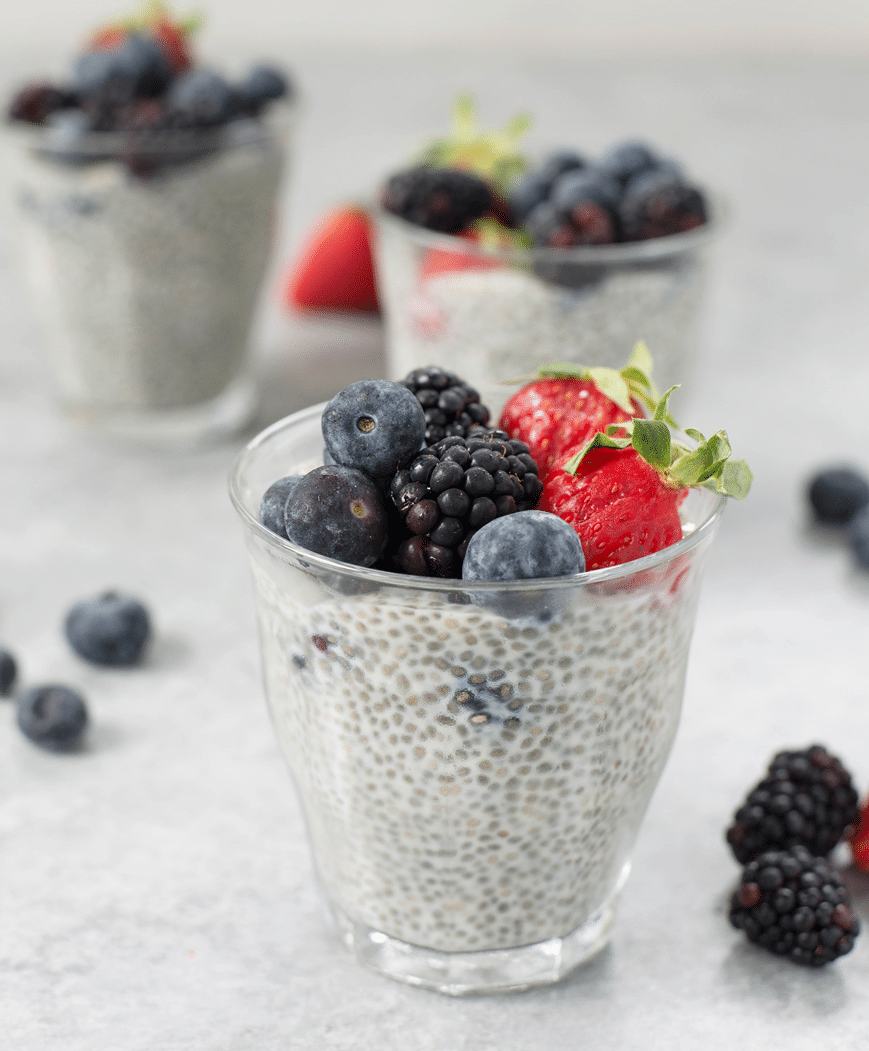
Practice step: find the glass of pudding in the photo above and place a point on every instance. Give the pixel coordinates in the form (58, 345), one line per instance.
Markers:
(473, 760)
(497, 314)
(146, 253)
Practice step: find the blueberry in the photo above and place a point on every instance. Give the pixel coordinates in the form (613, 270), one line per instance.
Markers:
(138, 63)
(560, 161)
(8, 672)
(626, 159)
(525, 545)
(531, 190)
(837, 494)
(52, 716)
(338, 511)
(263, 84)
(202, 98)
(858, 534)
(575, 187)
(110, 629)
(273, 503)
(375, 426)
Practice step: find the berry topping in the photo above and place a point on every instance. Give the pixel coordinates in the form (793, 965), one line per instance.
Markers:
(656, 204)
(806, 799)
(52, 716)
(441, 199)
(626, 160)
(263, 84)
(568, 404)
(111, 629)
(795, 905)
(452, 489)
(8, 672)
(837, 494)
(451, 406)
(526, 545)
(201, 98)
(35, 103)
(136, 64)
(274, 502)
(622, 493)
(337, 511)
(375, 426)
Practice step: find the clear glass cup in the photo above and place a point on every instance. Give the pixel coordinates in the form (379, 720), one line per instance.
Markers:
(145, 255)
(473, 759)
(493, 316)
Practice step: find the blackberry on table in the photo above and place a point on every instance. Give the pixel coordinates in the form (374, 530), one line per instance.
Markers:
(806, 799)
(451, 406)
(441, 199)
(794, 904)
(455, 487)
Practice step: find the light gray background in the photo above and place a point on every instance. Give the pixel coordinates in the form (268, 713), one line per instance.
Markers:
(155, 889)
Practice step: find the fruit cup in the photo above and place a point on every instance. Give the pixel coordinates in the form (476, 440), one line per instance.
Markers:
(497, 314)
(473, 760)
(146, 254)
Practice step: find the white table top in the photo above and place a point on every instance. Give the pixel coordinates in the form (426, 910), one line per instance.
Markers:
(156, 890)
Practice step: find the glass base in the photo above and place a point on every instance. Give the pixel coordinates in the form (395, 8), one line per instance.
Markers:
(487, 971)
(187, 427)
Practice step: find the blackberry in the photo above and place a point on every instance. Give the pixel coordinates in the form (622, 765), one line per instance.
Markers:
(455, 487)
(837, 494)
(35, 103)
(441, 199)
(794, 904)
(658, 204)
(451, 406)
(806, 799)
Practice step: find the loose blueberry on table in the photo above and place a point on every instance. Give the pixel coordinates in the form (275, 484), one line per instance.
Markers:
(52, 716)
(8, 671)
(110, 629)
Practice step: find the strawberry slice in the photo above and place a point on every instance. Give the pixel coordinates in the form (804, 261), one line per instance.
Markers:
(335, 269)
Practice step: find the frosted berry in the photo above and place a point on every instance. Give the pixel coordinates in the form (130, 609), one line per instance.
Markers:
(52, 716)
(110, 629)
(527, 545)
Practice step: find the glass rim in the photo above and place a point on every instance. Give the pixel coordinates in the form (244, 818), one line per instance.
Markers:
(402, 581)
(623, 252)
(278, 118)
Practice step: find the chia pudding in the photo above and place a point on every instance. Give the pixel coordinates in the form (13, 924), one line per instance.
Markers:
(498, 316)
(147, 287)
(143, 184)
(473, 771)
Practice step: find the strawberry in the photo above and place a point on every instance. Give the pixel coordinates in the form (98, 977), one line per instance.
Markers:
(335, 268)
(859, 841)
(618, 504)
(621, 491)
(563, 409)
(170, 34)
(172, 38)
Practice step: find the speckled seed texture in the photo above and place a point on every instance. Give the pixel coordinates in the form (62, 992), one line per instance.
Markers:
(473, 782)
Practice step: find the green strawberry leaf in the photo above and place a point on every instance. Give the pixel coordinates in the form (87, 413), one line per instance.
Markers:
(651, 439)
(492, 155)
(707, 464)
